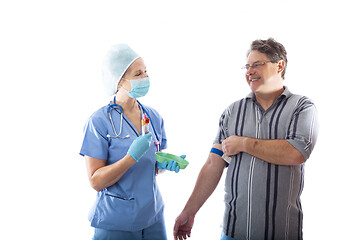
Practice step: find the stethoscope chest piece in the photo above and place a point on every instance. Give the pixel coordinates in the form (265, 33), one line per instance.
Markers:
(108, 136)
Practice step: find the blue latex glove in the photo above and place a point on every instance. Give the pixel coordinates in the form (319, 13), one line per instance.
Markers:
(172, 166)
(140, 146)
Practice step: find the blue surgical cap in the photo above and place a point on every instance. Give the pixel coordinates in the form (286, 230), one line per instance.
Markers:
(116, 62)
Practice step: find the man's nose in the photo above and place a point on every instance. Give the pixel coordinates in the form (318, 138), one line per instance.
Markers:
(250, 71)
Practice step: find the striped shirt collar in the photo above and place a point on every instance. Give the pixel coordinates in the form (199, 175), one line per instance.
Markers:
(285, 94)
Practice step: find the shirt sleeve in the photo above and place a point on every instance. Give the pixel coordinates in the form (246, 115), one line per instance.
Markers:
(95, 143)
(222, 133)
(304, 127)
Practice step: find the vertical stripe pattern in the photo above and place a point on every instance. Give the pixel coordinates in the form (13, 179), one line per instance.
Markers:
(263, 199)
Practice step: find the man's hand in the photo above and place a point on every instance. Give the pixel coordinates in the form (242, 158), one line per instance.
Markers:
(233, 145)
(183, 225)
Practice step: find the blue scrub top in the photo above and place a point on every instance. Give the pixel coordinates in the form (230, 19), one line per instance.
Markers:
(134, 202)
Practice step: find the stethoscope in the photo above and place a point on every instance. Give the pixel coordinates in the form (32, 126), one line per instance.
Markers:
(117, 135)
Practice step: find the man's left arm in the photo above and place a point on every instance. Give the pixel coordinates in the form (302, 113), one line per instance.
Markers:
(294, 149)
(276, 151)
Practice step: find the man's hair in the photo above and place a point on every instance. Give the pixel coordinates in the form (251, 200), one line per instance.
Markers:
(274, 50)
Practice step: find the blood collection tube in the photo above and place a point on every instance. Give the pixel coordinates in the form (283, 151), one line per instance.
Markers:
(144, 124)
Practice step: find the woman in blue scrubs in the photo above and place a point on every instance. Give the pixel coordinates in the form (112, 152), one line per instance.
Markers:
(120, 160)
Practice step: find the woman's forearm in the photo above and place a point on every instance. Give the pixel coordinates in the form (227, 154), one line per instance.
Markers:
(101, 176)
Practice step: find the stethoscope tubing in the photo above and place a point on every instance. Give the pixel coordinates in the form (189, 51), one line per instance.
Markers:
(121, 121)
(152, 125)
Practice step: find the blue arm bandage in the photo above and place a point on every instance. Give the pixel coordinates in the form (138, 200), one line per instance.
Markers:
(218, 152)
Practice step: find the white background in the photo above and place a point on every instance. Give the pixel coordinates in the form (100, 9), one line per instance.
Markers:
(50, 61)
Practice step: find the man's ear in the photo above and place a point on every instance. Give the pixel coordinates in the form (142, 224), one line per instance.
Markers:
(281, 66)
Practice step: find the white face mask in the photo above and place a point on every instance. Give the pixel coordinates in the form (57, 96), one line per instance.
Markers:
(139, 87)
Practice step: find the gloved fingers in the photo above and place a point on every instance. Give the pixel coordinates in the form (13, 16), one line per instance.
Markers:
(183, 156)
(162, 165)
(168, 167)
(148, 135)
(139, 146)
(172, 166)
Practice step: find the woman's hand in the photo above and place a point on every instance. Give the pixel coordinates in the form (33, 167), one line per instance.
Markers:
(172, 166)
(140, 146)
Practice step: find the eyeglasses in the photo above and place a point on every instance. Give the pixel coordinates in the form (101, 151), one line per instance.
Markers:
(254, 65)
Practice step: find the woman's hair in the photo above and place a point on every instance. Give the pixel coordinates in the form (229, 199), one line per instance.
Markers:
(274, 50)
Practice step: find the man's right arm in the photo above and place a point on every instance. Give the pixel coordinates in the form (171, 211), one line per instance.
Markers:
(206, 183)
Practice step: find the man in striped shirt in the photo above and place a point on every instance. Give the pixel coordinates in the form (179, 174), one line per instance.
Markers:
(268, 136)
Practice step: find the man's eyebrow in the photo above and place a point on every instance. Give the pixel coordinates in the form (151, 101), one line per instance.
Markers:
(253, 62)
